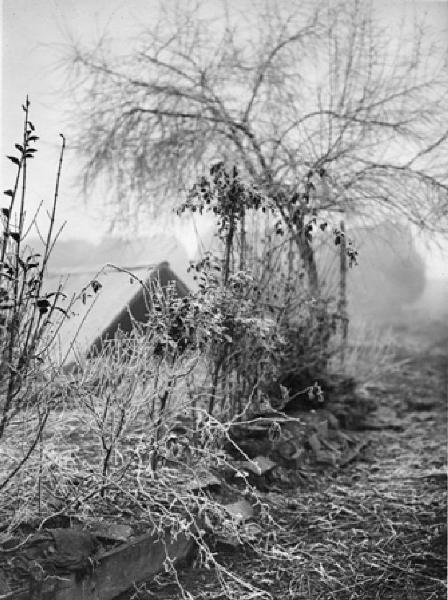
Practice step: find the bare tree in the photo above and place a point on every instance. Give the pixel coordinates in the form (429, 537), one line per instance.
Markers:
(292, 93)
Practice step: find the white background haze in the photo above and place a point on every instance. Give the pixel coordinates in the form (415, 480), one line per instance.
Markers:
(35, 34)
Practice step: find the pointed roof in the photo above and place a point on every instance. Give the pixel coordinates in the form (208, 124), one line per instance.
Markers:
(120, 268)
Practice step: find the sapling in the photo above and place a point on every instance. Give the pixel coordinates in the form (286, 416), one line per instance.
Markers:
(28, 313)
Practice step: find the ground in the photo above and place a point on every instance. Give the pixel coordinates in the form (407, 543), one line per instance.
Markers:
(373, 529)
(369, 525)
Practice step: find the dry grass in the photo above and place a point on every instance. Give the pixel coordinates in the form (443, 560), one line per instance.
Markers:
(370, 353)
(373, 530)
(350, 539)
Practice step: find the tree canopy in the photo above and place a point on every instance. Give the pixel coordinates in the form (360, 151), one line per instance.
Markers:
(285, 90)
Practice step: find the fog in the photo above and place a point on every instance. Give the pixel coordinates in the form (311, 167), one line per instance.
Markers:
(394, 281)
(34, 34)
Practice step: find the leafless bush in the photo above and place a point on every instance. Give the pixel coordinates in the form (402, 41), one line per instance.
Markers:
(28, 315)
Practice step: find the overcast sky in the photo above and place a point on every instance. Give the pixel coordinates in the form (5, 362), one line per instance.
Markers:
(34, 35)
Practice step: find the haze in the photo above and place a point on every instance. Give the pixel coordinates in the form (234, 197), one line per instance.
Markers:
(35, 35)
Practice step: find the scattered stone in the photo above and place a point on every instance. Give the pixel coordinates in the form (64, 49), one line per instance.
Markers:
(252, 430)
(203, 480)
(111, 532)
(252, 531)
(290, 452)
(436, 475)
(350, 455)
(4, 585)
(59, 550)
(314, 443)
(325, 458)
(383, 418)
(333, 422)
(421, 404)
(260, 465)
(322, 429)
(241, 510)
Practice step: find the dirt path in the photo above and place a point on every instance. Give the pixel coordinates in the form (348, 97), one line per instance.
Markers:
(373, 530)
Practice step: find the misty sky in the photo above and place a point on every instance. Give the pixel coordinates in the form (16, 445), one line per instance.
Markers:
(35, 34)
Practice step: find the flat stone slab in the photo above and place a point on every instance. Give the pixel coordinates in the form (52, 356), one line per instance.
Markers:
(112, 572)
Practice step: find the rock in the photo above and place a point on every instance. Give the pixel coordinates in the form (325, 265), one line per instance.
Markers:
(240, 511)
(322, 429)
(314, 443)
(251, 448)
(383, 418)
(203, 480)
(260, 465)
(324, 457)
(438, 543)
(252, 531)
(333, 422)
(113, 532)
(252, 430)
(59, 550)
(436, 475)
(285, 450)
(421, 403)
(258, 471)
(351, 454)
(4, 585)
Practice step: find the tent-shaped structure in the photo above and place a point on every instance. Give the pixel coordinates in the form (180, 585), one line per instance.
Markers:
(136, 308)
(95, 317)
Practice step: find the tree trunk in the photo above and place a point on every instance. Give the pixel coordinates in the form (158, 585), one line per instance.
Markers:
(309, 260)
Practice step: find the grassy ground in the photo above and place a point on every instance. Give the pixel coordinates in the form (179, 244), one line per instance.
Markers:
(374, 529)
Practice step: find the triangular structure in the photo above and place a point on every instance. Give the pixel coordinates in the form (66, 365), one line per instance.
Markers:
(125, 267)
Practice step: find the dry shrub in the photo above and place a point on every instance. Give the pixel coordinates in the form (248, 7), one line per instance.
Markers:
(29, 317)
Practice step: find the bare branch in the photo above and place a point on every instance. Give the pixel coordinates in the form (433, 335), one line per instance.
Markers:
(301, 87)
